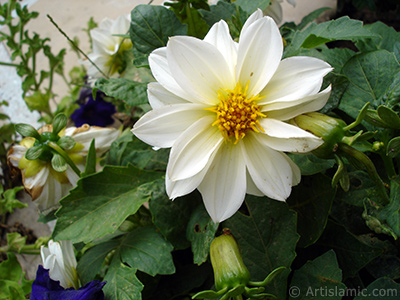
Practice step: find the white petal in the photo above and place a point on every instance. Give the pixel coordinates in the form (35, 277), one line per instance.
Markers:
(52, 192)
(260, 51)
(220, 37)
(288, 110)
(199, 68)
(15, 154)
(269, 169)
(301, 141)
(296, 170)
(274, 11)
(192, 150)
(159, 96)
(84, 135)
(295, 78)
(161, 127)
(68, 253)
(37, 180)
(120, 25)
(295, 145)
(252, 189)
(224, 187)
(279, 129)
(161, 71)
(258, 14)
(103, 42)
(183, 187)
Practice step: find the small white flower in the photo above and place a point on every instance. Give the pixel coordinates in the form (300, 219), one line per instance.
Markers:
(108, 46)
(274, 10)
(59, 259)
(222, 107)
(41, 181)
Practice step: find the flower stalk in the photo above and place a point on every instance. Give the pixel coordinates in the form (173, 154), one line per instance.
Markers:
(64, 155)
(369, 167)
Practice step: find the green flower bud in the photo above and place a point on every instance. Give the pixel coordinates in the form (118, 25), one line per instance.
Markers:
(331, 130)
(227, 262)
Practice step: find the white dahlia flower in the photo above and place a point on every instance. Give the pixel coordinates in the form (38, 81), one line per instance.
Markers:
(108, 46)
(222, 107)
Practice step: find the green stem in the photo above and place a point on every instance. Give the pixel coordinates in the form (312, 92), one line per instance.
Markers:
(64, 154)
(75, 46)
(27, 249)
(389, 166)
(369, 166)
(8, 64)
(239, 297)
(190, 20)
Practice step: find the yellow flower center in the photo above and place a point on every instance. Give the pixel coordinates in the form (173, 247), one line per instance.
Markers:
(237, 113)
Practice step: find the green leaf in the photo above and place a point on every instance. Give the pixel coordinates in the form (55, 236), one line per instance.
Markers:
(315, 277)
(352, 253)
(383, 288)
(172, 217)
(311, 17)
(391, 212)
(252, 6)
(220, 11)
(102, 201)
(152, 26)
(12, 278)
(128, 149)
(122, 283)
(386, 39)
(91, 261)
(309, 164)
(200, 232)
(38, 101)
(370, 76)
(134, 93)
(312, 200)
(318, 34)
(8, 201)
(393, 147)
(90, 167)
(388, 116)
(267, 237)
(343, 28)
(146, 249)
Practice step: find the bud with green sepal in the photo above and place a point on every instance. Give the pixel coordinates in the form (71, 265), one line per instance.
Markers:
(338, 143)
(231, 276)
(49, 146)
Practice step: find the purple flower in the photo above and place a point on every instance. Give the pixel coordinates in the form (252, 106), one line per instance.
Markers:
(93, 112)
(45, 288)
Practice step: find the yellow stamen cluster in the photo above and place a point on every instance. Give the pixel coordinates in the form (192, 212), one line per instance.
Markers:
(237, 113)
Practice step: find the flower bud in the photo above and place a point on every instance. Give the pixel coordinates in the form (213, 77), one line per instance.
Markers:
(227, 262)
(331, 130)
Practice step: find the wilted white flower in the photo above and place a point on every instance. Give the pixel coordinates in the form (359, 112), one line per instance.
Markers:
(108, 46)
(222, 107)
(274, 10)
(59, 259)
(41, 181)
